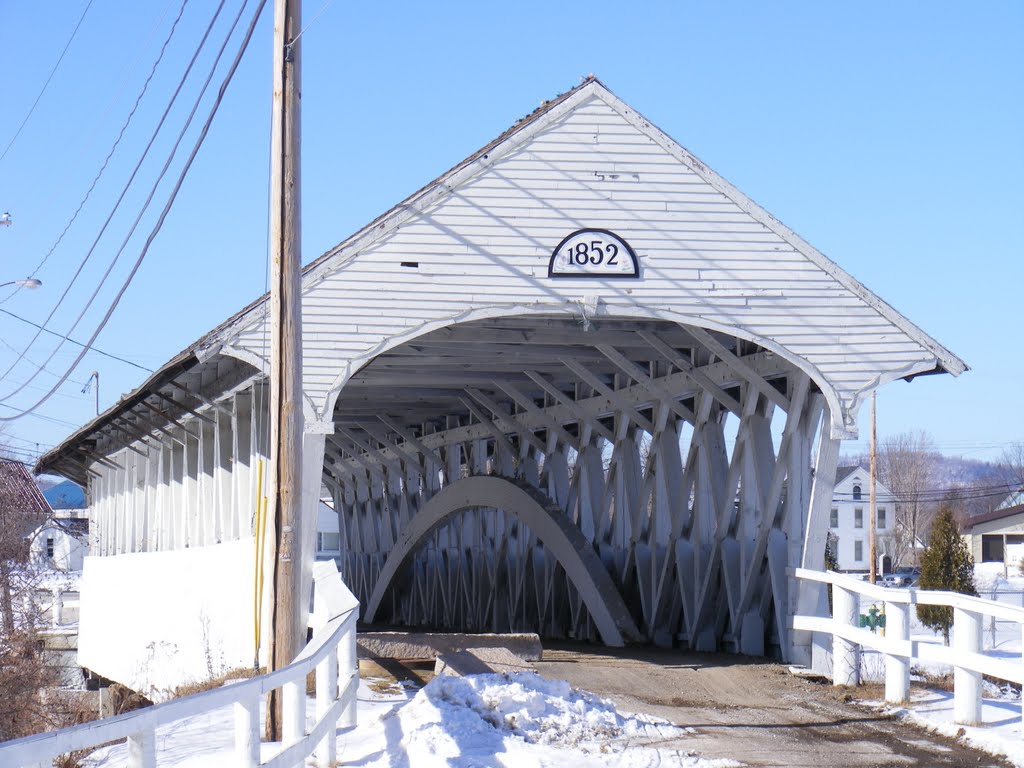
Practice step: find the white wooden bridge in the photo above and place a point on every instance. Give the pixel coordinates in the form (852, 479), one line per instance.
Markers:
(579, 384)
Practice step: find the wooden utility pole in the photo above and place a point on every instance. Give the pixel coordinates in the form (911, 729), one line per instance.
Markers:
(873, 545)
(286, 352)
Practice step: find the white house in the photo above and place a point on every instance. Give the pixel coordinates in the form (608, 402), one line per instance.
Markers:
(62, 542)
(848, 521)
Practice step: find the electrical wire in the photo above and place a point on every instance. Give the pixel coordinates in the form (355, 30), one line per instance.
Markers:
(47, 370)
(124, 191)
(73, 341)
(163, 215)
(156, 184)
(929, 495)
(47, 83)
(312, 21)
(42, 417)
(115, 96)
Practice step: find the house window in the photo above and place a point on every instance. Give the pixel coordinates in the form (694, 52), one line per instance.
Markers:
(834, 520)
(856, 493)
(328, 541)
(881, 518)
(858, 517)
(992, 548)
(858, 551)
(49, 547)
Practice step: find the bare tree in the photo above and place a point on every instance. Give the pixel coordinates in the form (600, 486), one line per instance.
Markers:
(24, 672)
(1011, 466)
(907, 468)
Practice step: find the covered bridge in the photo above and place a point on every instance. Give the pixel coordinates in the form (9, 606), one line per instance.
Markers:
(579, 384)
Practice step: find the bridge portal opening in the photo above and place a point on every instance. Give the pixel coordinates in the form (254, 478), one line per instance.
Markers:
(679, 456)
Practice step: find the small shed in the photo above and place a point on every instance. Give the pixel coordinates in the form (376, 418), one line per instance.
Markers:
(997, 537)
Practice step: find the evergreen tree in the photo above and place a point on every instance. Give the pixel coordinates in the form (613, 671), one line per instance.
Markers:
(831, 550)
(946, 564)
(831, 560)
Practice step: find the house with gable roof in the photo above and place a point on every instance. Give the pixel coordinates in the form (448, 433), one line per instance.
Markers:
(849, 522)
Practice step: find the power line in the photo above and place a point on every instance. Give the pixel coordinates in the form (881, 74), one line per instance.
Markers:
(103, 167)
(47, 83)
(115, 96)
(73, 341)
(155, 186)
(117, 204)
(138, 165)
(41, 417)
(163, 214)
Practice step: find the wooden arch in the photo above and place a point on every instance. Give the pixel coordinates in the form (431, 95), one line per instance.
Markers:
(551, 526)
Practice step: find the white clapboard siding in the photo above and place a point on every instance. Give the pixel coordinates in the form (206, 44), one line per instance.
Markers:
(482, 237)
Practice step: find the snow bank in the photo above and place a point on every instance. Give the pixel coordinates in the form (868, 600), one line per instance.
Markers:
(524, 719)
(481, 721)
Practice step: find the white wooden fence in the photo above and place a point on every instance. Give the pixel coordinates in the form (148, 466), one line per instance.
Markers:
(964, 654)
(332, 650)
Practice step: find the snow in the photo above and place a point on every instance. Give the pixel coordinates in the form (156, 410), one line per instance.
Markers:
(1001, 715)
(476, 721)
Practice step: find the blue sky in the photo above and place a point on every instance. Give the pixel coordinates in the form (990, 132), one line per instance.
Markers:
(888, 135)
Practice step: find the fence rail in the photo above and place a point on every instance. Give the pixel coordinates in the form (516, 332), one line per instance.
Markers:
(965, 655)
(332, 650)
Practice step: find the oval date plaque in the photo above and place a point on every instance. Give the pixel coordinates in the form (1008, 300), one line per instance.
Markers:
(593, 253)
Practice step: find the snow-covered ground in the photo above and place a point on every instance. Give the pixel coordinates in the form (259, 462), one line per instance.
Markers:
(476, 721)
(1001, 715)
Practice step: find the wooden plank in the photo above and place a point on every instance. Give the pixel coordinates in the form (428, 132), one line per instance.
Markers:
(742, 367)
(698, 376)
(622, 403)
(503, 416)
(632, 370)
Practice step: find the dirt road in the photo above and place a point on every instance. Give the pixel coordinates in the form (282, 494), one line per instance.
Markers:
(756, 713)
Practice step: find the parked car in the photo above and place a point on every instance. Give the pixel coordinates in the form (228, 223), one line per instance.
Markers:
(902, 577)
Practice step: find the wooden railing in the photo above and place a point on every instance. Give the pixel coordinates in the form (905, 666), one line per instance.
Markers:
(964, 655)
(332, 648)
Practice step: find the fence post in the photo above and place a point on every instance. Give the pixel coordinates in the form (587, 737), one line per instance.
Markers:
(326, 695)
(897, 668)
(845, 662)
(966, 682)
(293, 704)
(142, 749)
(247, 732)
(348, 664)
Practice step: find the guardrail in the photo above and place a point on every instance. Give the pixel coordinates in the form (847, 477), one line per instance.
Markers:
(964, 655)
(333, 647)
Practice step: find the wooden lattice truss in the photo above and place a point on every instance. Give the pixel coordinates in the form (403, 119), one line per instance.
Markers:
(681, 459)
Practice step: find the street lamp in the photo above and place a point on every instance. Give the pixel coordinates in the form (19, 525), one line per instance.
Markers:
(29, 282)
